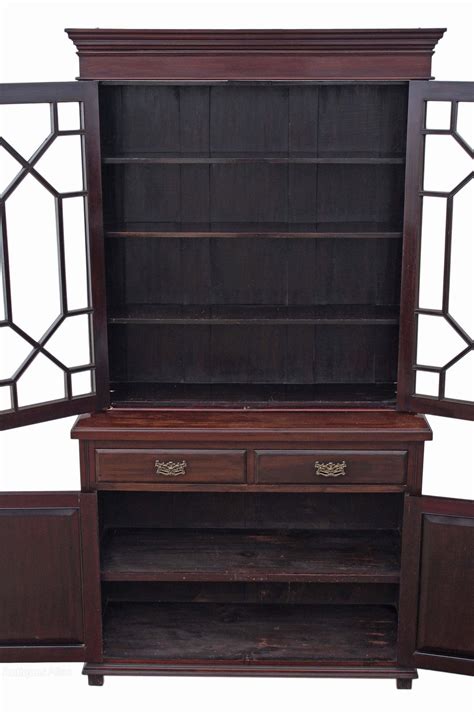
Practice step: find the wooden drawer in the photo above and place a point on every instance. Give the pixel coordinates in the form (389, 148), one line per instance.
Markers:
(171, 466)
(330, 467)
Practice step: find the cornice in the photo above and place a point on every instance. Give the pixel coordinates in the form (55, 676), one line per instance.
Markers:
(255, 54)
(205, 42)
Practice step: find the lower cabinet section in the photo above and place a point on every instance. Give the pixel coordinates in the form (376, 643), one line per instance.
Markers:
(254, 584)
(332, 584)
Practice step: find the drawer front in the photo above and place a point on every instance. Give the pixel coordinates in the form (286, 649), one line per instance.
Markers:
(330, 467)
(171, 466)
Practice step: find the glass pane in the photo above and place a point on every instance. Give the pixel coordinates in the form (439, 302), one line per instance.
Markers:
(427, 383)
(3, 307)
(81, 383)
(33, 257)
(69, 116)
(43, 381)
(465, 124)
(460, 379)
(13, 351)
(25, 126)
(5, 398)
(433, 231)
(9, 168)
(61, 165)
(75, 253)
(446, 163)
(70, 343)
(461, 288)
(438, 343)
(438, 115)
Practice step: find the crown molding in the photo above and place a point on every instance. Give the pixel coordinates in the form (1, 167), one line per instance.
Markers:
(255, 54)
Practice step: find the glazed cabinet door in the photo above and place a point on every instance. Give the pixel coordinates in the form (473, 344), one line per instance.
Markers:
(437, 585)
(436, 358)
(53, 341)
(49, 577)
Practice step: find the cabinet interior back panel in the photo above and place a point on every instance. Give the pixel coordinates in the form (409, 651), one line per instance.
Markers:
(251, 119)
(254, 354)
(247, 271)
(255, 196)
(242, 131)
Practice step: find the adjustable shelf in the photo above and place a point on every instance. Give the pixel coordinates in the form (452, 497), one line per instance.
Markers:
(163, 159)
(259, 233)
(222, 555)
(253, 315)
(249, 633)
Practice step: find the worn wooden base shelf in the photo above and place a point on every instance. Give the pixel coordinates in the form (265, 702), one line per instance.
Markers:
(242, 633)
(154, 394)
(238, 555)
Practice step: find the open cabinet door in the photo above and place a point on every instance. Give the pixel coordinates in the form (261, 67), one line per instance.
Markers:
(49, 577)
(437, 585)
(53, 342)
(436, 360)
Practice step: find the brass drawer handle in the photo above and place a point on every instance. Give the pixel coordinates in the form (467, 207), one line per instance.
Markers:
(171, 469)
(330, 469)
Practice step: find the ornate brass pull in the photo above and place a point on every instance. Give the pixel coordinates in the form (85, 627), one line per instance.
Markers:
(330, 469)
(171, 469)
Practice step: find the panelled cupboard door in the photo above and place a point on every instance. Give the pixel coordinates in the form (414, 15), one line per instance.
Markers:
(437, 585)
(436, 365)
(49, 577)
(53, 342)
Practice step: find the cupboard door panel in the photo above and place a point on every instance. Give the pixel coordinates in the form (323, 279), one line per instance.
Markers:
(53, 342)
(437, 585)
(49, 577)
(436, 359)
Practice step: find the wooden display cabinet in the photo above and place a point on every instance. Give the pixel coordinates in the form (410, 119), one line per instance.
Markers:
(259, 340)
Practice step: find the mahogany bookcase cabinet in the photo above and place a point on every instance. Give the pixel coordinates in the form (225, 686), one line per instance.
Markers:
(260, 340)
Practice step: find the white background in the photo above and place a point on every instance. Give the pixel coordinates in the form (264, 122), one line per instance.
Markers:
(33, 47)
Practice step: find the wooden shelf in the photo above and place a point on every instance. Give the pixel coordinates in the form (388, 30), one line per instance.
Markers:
(257, 234)
(207, 160)
(249, 633)
(162, 394)
(238, 555)
(254, 230)
(254, 315)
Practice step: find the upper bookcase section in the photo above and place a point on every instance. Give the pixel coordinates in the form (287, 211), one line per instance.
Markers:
(255, 54)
